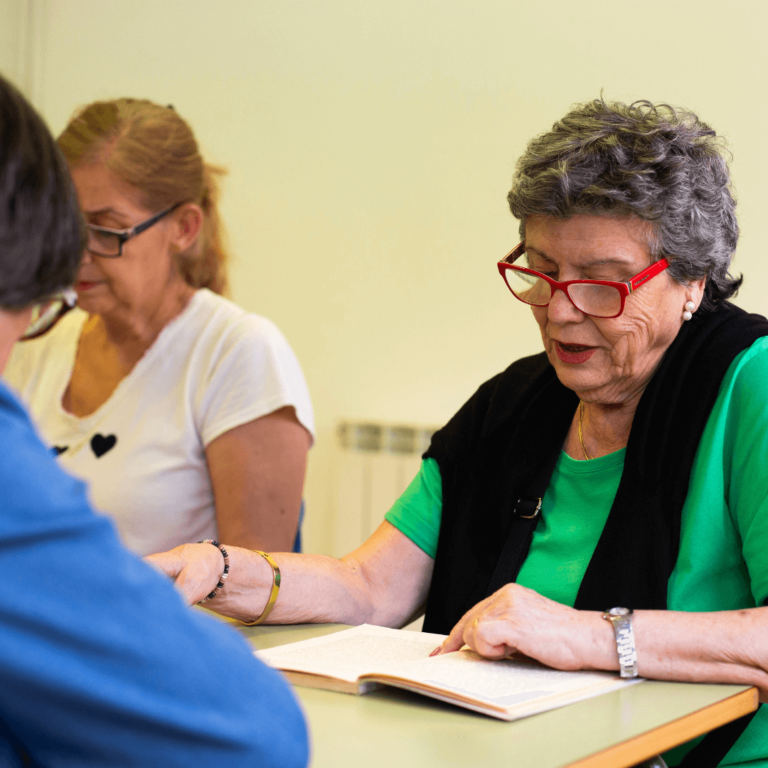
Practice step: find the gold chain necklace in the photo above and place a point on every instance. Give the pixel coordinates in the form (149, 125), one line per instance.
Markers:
(581, 431)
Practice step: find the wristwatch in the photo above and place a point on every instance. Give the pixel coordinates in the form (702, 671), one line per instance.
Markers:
(621, 618)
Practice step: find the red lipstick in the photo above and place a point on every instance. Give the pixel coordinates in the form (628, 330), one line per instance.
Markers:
(574, 353)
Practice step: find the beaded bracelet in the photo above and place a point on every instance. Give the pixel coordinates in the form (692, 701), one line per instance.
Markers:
(224, 574)
(272, 595)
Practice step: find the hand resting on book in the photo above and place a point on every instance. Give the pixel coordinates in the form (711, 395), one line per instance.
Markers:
(516, 619)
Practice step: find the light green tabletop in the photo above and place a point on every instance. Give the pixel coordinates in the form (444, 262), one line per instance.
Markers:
(395, 729)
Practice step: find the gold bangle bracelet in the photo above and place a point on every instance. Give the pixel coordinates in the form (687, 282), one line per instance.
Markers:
(272, 595)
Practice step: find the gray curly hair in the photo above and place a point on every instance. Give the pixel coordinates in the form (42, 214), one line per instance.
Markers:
(661, 164)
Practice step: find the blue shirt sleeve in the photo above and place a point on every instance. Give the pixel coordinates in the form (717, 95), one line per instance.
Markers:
(101, 663)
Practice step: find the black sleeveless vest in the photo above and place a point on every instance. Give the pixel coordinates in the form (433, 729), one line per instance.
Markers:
(516, 423)
(510, 433)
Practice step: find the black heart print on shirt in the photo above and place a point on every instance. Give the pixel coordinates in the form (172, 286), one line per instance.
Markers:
(100, 444)
(59, 449)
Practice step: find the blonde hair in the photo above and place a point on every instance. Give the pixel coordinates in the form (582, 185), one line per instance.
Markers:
(154, 150)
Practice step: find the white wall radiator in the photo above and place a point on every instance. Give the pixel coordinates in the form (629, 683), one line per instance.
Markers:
(376, 462)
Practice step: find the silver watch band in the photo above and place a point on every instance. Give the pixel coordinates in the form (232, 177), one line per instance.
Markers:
(621, 619)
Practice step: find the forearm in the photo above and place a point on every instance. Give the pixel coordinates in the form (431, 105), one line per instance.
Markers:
(716, 647)
(719, 647)
(385, 581)
(314, 588)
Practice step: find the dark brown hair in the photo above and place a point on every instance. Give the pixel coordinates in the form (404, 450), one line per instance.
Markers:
(41, 233)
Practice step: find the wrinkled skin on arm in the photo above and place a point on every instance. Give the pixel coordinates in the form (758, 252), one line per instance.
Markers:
(385, 581)
(716, 647)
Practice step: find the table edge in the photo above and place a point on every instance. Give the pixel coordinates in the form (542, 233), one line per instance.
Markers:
(658, 740)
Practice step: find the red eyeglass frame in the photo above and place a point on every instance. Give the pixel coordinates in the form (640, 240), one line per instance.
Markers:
(624, 289)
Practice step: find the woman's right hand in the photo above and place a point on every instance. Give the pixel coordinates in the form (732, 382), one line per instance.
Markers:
(385, 581)
(194, 568)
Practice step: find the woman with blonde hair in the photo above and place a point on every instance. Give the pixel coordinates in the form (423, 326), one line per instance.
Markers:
(189, 418)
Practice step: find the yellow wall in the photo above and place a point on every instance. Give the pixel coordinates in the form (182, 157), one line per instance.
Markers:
(370, 148)
(12, 37)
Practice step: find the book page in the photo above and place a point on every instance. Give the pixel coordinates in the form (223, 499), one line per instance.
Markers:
(519, 687)
(352, 652)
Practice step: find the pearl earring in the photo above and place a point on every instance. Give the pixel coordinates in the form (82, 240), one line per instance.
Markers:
(689, 309)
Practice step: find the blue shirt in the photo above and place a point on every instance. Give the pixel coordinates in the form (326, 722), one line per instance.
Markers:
(101, 663)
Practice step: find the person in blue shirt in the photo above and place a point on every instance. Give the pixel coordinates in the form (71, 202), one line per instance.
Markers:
(101, 662)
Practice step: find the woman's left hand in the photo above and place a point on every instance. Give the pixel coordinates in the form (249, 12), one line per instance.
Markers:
(516, 619)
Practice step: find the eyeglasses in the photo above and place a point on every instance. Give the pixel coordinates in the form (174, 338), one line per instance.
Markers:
(596, 298)
(108, 243)
(47, 313)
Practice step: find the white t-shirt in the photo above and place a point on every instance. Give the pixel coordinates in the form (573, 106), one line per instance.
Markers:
(212, 368)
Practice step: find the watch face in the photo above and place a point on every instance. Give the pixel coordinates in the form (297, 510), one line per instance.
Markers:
(619, 612)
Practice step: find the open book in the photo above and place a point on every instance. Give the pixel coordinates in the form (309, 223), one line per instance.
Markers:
(360, 659)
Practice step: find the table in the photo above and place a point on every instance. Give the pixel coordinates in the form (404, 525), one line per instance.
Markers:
(396, 729)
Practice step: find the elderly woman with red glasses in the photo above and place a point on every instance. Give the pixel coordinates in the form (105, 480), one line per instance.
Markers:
(188, 417)
(604, 504)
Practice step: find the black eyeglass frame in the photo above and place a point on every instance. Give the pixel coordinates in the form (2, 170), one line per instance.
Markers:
(49, 312)
(124, 235)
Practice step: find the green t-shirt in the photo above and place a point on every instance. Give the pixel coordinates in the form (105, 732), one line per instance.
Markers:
(722, 563)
